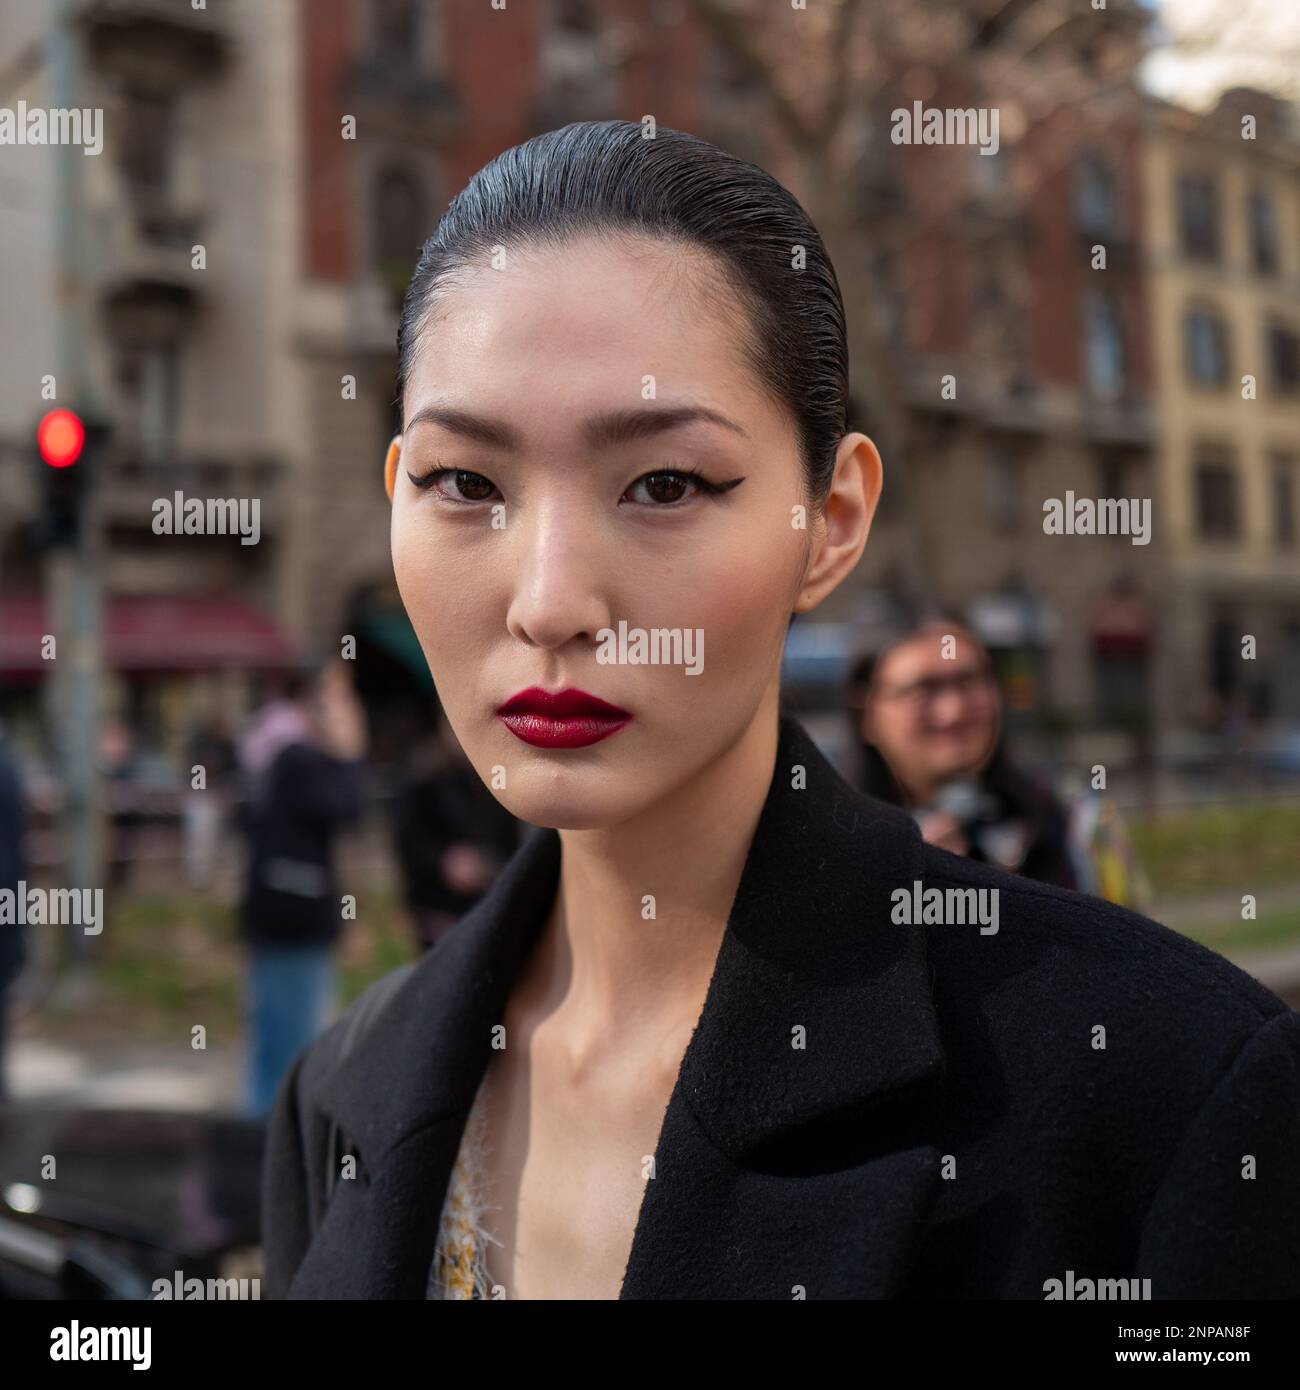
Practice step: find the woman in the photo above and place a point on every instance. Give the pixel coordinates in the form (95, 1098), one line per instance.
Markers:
(704, 1036)
(927, 713)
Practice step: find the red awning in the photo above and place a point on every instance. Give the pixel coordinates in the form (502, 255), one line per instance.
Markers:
(145, 633)
(1121, 622)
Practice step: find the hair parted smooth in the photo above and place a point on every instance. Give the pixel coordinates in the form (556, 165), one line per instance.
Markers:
(606, 178)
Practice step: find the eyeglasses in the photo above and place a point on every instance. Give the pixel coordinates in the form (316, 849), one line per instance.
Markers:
(967, 684)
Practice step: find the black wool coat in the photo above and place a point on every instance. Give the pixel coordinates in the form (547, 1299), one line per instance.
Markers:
(868, 1107)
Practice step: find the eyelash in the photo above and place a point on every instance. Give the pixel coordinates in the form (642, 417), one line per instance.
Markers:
(707, 487)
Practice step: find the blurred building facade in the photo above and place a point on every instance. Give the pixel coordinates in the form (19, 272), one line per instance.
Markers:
(1024, 325)
(152, 283)
(1223, 191)
(309, 149)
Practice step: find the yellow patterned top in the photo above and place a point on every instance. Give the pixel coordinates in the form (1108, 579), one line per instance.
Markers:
(459, 1269)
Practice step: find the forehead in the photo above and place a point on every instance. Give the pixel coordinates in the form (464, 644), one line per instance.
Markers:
(591, 321)
(924, 653)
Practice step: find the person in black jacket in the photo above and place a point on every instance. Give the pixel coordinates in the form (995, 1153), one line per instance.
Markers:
(291, 914)
(725, 1027)
(451, 834)
(13, 946)
(927, 715)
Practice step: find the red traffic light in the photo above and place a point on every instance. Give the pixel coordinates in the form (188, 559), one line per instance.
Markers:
(61, 436)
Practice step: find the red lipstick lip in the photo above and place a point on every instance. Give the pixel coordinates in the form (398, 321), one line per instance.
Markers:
(568, 703)
(568, 718)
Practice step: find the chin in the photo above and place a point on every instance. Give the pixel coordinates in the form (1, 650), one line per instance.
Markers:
(565, 798)
(950, 768)
(569, 811)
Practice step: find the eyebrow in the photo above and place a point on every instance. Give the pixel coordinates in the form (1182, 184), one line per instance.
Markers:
(600, 431)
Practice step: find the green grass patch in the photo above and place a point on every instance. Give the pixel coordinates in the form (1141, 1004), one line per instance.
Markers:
(173, 959)
(1219, 847)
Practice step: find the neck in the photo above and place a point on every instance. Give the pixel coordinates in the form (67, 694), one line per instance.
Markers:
(609, 970)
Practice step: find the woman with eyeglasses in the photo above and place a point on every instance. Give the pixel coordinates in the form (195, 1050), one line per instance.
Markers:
(926, 709)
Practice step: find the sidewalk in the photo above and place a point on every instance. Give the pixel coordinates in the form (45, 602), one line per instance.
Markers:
(1275, 965)
(126, 1077)
(1277, 969)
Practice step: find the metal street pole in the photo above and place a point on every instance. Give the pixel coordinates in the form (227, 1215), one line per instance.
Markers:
(76, 574)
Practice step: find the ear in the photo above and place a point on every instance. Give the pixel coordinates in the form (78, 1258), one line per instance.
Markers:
(391, 460)
(847, 515)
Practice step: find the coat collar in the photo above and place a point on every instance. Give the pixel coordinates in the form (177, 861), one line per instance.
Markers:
(818, 1013)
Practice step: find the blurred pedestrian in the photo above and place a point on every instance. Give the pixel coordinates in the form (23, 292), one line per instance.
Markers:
(302, 780)
(206, 806)
(117, 757)
(13, 947)
(452, 836)
(927, 715)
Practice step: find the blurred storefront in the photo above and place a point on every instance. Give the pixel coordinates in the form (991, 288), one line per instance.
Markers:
(170, 663)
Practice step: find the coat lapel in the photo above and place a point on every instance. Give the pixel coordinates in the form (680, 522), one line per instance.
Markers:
(786, 1166)
(402, 1098)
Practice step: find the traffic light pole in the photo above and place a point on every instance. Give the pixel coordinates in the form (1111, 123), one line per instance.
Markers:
(74, 573)
(74, 590)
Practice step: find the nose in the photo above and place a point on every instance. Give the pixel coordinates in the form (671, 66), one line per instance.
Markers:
(558, 590)
(947, 709)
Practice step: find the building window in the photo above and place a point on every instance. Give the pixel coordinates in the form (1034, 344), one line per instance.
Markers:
(1004, 492)
(1095, 191)
(1111, 476)
(575, 15)
(1198, 217)
(576, 78)
(1225, 653)
(1284, 502)
(990, 174)
(1105, 346)
(148, 399)
(1263, 232)
(1123, 686)
(398, 230)
(396, 27)
(1287, 684)
(1205, 344)
(1284, 358)
(145, 149)
(160, 399)
(730, 75)
(148, 384)
(1216, 499)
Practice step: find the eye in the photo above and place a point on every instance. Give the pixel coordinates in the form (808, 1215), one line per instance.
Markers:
(667, 487)
(468, 487)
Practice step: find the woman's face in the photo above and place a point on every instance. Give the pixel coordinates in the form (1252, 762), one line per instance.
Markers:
(934, 708)
(566, 371)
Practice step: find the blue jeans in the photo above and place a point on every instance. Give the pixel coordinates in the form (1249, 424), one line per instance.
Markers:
(292, 1000)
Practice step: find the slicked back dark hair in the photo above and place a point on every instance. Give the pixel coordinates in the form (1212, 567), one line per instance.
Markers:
(606, 178)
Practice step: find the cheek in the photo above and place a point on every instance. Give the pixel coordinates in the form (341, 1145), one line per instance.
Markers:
(892, 729)
(438, 587)
(743, 596)
(412, 568)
